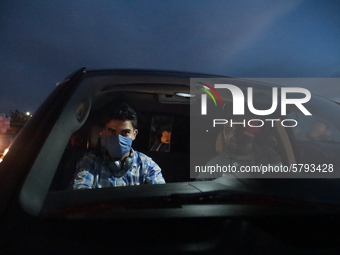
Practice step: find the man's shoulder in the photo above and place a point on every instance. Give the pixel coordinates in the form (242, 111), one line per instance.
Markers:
(141, 158)
(141, 155)
(90, 156)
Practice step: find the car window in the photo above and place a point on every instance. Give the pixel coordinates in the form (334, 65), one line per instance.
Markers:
(166, 134)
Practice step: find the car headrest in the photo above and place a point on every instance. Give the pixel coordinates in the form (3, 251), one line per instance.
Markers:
(94, 137)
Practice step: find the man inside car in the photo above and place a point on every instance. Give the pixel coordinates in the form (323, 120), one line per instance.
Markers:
(115, 163)
(237, 149)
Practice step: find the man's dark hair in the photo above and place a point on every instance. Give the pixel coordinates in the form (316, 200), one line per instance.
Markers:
(122, 112)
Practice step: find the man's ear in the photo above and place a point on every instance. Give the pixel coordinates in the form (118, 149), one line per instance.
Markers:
(135, 132)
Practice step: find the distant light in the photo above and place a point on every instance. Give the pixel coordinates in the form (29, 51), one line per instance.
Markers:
(28, 113)
(184, 94)
(3, 155)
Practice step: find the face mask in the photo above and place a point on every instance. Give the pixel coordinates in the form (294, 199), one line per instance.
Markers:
(116, 145)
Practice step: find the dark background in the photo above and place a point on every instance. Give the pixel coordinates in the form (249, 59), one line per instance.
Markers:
(43, 41)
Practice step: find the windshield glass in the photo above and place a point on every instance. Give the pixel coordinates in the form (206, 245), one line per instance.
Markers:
(184, 143)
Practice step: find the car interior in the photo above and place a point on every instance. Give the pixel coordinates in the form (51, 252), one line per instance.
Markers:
(157, 111)
(161, 108)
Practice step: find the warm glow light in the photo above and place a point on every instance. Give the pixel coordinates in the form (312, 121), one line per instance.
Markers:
(4, 154)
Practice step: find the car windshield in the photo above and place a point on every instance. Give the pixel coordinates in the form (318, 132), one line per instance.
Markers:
(197, 154)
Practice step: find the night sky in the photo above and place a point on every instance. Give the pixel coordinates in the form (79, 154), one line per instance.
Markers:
(43, 41)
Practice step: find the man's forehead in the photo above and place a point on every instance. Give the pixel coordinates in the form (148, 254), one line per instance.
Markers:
(121, 124)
